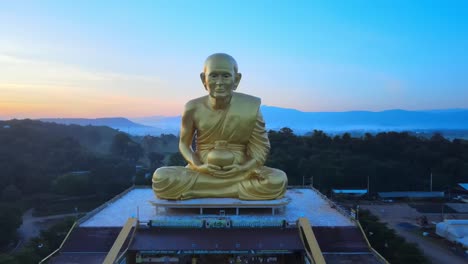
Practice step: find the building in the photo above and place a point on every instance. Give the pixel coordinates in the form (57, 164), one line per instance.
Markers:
(135, 227)
(411, 195)
(352, 193)
(455, 231)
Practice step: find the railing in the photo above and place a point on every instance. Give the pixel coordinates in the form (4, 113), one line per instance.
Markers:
(83, 219)
(119, 242)
(61, 245)
(348, 215)
(369, 244)
(311, 245)
(104, 205)
(119, 259)
(340, 209)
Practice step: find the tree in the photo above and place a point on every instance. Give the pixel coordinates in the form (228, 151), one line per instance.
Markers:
(28, 255)
(286, 131)
(72, 184)
(8, 259)
(93, 137)
(11, 193)
(155, 160)
(111, 175)
(143, 177)
(10, 220)
(123, 146)
(392, 247)
(176, 159)
(54, 235)
(39, 247)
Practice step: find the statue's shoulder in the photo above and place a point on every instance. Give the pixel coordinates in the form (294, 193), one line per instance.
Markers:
(195, 103)
(247, 99)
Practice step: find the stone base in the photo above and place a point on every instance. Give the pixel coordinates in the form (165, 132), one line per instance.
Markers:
(221, 203)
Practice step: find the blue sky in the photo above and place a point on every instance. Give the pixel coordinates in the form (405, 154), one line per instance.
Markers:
(143, 58)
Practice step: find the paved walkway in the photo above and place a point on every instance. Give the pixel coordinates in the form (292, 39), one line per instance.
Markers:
(394, 214)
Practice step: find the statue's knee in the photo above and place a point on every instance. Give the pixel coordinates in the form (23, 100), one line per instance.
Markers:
(278, 181)
(278, 177)
(161, 174)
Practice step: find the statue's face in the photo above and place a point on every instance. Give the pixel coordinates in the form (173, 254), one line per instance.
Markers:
(219, 78)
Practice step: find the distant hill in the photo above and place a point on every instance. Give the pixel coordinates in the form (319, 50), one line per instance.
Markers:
(161, 124)
(119, 123)
(395, 120)
(94, 138)
(303, 122)
(113, 122)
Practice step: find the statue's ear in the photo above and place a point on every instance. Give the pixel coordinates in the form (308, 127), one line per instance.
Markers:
(203, 80)
(237, 80)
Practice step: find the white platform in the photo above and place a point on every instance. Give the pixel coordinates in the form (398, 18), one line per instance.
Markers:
(139, 203)
(221, 203)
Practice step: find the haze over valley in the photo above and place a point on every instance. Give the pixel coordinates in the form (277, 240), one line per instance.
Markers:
(304, 122)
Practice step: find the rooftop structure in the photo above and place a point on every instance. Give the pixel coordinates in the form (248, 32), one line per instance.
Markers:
(248, 231)
(139, 202)
(464, 186)
(353, 192)
(461, 208)
(454, 230)
(386, 195)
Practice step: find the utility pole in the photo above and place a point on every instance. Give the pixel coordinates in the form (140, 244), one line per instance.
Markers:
(431, 182)
(368, 186)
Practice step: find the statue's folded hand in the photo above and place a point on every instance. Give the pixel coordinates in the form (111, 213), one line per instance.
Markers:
(207, 168)
(230, 171)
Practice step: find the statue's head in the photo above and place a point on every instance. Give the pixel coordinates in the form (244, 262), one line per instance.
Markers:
(220, 75)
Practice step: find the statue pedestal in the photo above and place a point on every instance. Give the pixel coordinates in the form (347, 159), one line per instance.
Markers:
(184, 230)
(141, 203)
(221, 203)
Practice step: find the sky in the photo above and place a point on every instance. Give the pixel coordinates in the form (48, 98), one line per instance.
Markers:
(143, 58)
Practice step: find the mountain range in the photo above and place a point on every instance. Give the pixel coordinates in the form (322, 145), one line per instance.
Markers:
(302, 122)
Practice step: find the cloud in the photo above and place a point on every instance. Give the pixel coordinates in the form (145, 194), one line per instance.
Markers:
(49, 72)
(43, 88)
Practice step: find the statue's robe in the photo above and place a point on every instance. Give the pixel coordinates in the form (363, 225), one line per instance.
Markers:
(243, 127)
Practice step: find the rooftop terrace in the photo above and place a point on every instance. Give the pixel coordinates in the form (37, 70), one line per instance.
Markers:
(138, 202)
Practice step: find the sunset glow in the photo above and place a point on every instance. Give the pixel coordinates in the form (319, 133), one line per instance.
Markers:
(133, 59)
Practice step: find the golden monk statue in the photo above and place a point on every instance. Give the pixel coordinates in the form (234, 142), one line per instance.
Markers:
(231, 143)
